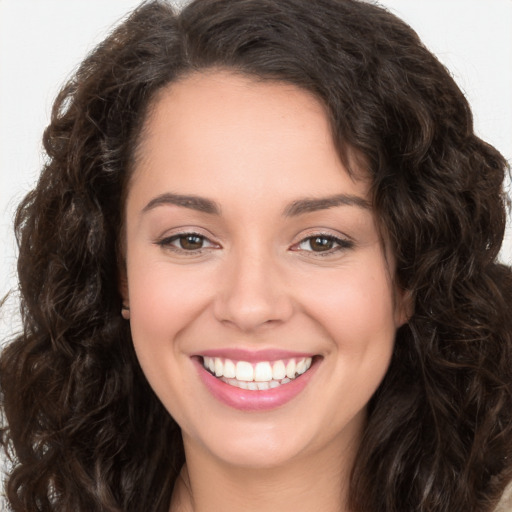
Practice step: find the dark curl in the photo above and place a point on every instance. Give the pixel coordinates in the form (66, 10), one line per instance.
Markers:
(85, 430)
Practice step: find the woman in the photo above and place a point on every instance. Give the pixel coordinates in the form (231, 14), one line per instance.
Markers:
(259, 271)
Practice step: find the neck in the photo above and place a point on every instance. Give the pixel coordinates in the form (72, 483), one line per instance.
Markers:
(209, 485)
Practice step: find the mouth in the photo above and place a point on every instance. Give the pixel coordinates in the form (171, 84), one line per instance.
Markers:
(256, 381)
(257, 376)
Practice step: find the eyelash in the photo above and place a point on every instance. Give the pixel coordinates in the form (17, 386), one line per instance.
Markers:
(340, 244)
(167, 243)
(337, 244)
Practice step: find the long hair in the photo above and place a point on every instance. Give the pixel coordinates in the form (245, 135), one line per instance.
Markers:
(85, 430)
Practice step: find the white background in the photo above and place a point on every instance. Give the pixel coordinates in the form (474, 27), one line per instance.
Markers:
(43, 41)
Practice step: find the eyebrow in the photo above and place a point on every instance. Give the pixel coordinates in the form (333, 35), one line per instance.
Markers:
(308, 205)
(200, 204)
(299, 207)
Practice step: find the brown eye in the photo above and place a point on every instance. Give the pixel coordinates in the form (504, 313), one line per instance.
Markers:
(186, 243)
(191, 242)
(321, 243)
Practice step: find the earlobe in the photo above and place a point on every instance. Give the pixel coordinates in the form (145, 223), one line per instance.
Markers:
(123, 290)
(125, 312)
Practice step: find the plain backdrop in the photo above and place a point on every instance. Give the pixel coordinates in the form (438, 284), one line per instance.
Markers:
(43, 41)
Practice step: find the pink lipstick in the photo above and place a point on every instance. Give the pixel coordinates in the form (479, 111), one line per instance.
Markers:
(255, 381)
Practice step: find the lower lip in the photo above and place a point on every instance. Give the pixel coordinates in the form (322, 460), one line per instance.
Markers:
(247, 400)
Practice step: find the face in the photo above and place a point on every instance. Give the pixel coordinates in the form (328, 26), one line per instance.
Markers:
(262, 304)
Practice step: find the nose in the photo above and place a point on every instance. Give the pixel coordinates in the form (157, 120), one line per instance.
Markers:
(252, 294)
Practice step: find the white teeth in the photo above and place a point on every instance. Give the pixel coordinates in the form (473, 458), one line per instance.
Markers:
(278, 370)
(263, 372)
(290, 369)
(260, 376)
(244, 371)
(253, 386)
(218, 367)
(229, 369)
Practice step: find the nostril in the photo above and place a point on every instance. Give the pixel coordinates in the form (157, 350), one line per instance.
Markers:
(249, 314)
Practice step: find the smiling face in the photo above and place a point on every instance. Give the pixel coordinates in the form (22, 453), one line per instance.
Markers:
(252, 254)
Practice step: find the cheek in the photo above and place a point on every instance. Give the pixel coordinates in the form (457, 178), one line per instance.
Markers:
(356, 304)
(358, 315)
(165, 302)
(164, 297)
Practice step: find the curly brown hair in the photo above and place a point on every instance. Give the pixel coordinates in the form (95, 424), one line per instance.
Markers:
(85, 430)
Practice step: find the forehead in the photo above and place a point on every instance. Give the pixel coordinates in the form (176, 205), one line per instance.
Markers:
(216, 128)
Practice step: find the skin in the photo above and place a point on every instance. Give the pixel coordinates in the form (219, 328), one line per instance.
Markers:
(258, 282)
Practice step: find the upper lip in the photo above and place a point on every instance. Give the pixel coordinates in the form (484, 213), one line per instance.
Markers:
(252, 356)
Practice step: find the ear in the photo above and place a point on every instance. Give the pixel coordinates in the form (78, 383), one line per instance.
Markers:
(123, 291)
(404, 306)
(125, 312)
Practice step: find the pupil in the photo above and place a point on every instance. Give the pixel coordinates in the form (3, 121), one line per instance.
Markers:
(191, 242)
(321, 243)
